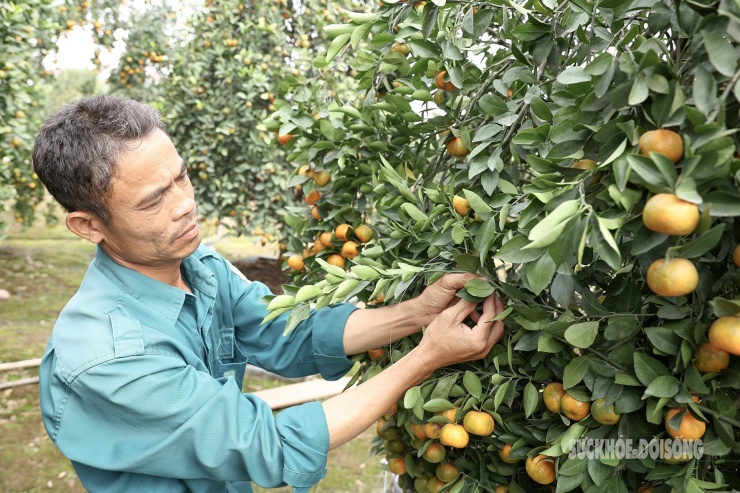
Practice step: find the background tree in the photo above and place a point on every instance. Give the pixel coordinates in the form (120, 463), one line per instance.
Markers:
(519, 142)
(24, 39)
(224, 81)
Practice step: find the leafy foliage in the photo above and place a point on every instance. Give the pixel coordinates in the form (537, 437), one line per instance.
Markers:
(535, 88)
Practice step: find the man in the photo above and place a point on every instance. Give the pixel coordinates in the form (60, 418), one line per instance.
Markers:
(140, 383)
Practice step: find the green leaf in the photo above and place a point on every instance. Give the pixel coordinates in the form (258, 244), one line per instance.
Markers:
(639, 92)
(721, 52)
(529, 32)
(479, 288)
(513, 251)
(725, 308)
(665, 386)
(531, 399)
(359, 34)
(562, 213)
(281, 301)
(412, 397)
(307, 292)
(485, 237)
(705, 90)
(437, 405)
(723, 204)
(423, 49)
(648, 368)
(701, 244)
(298, 315)
(336, 45)
(573, 75)
(575, 371)
(539, 273)
(582, 335)
(540, 109)
(472, 384)
(563, 289)
(476, 203)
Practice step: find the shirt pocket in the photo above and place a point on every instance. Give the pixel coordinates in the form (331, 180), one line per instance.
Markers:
(232, 362)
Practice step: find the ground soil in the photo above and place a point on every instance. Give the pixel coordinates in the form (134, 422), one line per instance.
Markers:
(263, 269)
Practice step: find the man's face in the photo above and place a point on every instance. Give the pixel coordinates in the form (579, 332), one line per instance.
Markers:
(154, 219)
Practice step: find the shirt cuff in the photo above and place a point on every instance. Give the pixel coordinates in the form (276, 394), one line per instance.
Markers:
(328, 340)
(305, 439)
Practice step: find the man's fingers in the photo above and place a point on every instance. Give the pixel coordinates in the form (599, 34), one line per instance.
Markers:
(455, 281)
(460, 310)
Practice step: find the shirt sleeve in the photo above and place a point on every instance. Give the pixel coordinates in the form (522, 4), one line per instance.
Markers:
(152, 414)
(315, 346)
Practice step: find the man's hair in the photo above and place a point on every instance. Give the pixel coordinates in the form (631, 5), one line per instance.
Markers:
(77, 151)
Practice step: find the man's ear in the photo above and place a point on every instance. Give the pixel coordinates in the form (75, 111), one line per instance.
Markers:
(86, 225)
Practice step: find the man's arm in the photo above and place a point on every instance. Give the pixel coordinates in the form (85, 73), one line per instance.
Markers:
(446, 341)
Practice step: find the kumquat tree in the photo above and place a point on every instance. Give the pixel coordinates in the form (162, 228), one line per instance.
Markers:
(582, 158)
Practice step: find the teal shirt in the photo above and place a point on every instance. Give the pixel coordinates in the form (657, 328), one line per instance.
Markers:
(141, 382)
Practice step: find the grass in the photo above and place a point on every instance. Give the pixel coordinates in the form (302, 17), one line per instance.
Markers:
(42, 267)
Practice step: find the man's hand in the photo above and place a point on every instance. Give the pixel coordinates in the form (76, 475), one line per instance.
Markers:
(439, 296)
(449, 341)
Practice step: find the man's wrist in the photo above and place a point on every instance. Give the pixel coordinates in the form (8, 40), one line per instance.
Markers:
(418, 316)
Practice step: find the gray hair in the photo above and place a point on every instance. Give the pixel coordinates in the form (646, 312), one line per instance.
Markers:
(77, 150)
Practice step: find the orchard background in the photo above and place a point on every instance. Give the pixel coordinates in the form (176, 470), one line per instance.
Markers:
(385, 144)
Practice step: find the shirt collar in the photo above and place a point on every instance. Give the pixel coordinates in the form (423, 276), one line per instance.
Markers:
(166, 300)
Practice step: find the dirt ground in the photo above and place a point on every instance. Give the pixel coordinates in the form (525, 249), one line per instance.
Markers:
(263, 269)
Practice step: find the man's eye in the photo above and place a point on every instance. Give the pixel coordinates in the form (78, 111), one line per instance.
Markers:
(154, 204)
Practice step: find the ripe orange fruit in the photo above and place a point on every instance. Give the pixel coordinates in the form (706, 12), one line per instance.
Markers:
(435, 453)
(725, 334)
(450, 414)
(435, 485)
(313, 197)
(364, 233)
(341, 232)
(690, 428)
(604, 415)
(711, 359)
(315, 213)
(552, 395)
(661, 141)
(418, 430)
(396, 465)
(541, 469)
(456, 147)
(461, 205)
(573, 408)
(305, 170)
(504, 454)
(295, 262)
(736, 256)
(402, 48)
(478, 423)
(375, 354)
(317, 245)
(325, 239)
(644, 488)
(321, 178)
(665, 213)
(335, 259)
(454, 435)
(285, 138)
(439, 81)
(432, 430)
(349, 250)
(446, 472)
(674, 278)
(501, 488)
